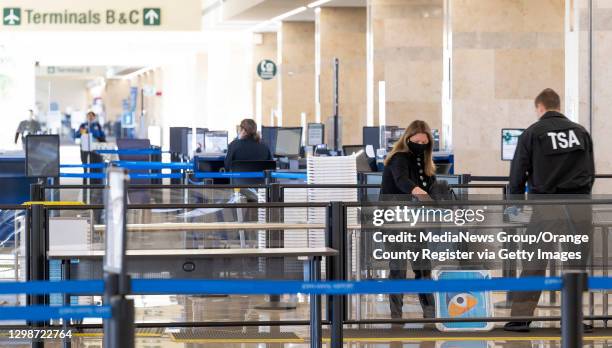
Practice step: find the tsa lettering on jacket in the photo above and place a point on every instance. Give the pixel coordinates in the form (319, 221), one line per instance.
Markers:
(564, 140)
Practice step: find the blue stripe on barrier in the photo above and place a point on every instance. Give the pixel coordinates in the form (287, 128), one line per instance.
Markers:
(129, 152)
(600, 283)
(154, 165)
(132, 175)
(156, 176)
(230, 175)
(46, 312)
(83, 175)
(277, 287)
(85, 165)
(296, 176)
(75, 287)
(264, 287)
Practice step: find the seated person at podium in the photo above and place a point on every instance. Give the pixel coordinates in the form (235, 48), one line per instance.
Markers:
(248, 146)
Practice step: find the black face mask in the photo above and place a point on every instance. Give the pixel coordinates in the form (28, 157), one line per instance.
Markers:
(417, 149)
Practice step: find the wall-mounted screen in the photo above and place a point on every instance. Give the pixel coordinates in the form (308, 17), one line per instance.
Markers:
(509, 140)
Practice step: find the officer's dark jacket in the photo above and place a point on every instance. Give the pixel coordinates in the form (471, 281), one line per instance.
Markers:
(404, 172)
(246, 149)
(555, 156)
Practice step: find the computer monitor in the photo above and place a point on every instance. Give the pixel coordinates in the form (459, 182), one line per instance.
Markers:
(268, 136)
(352, 149)
(509, 140)
(436, 138)
(316, 134)
(288, 142)
(42, 156)
(199, 145)
(178, 139)
(215, 142)
(371, 136)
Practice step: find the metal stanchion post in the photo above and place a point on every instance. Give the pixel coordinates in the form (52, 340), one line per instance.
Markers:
(119, 329)
(574, 285)
(66, 299)
(36, 259)
(336, 221)
(275, 267)
(316, 329)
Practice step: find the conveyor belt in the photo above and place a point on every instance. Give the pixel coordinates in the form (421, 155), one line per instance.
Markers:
(379, 335)
(203, 335)
(140, 332)
(387, 335)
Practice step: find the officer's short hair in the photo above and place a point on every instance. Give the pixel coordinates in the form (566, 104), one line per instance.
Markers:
(549, 98)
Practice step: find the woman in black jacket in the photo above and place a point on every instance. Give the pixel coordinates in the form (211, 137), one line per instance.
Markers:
(409, 174)
(248, 146)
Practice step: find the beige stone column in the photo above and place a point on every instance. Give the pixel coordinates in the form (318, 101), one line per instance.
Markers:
(504, 53)
(296, 56)
(342, 32)
(407, 55)
(265, 49)
(600, 121)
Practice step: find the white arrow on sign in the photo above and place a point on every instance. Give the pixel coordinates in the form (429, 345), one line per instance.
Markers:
(151, 16)
(12, 19)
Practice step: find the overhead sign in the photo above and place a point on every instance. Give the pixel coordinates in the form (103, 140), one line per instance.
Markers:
(266, 69)
(101, 15)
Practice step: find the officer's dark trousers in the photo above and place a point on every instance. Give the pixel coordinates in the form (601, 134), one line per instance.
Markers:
(574, 219)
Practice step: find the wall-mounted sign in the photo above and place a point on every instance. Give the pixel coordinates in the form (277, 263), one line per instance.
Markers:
(266, 69)
(101, 15)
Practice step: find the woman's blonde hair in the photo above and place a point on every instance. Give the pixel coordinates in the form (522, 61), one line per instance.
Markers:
(401, 145)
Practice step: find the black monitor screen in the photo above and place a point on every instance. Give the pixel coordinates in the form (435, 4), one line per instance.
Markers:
(371, 136)
(268, 136)
(178, 139)
(42, 156)
(288, 141)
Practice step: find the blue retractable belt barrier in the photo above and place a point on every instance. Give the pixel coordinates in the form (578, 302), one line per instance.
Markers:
(210, 158)
(250, 287)
(130, 152)
(75, 287)
(294, 176)
(83, 175)
(85, 165)
(154, 165)
(600, 283)
(34, 313)
(155, 175)
(230, 175)
(277, 287)
(132, 175)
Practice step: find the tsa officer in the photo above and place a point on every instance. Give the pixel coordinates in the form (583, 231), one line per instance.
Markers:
(554, 156)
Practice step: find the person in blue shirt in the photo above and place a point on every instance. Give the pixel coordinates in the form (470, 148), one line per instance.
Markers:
(93, 127)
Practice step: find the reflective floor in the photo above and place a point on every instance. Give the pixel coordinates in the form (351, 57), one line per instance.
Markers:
(153, 309)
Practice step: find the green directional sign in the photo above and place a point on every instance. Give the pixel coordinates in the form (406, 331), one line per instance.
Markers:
(266, 69)
(152, 16)
(11, 16)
